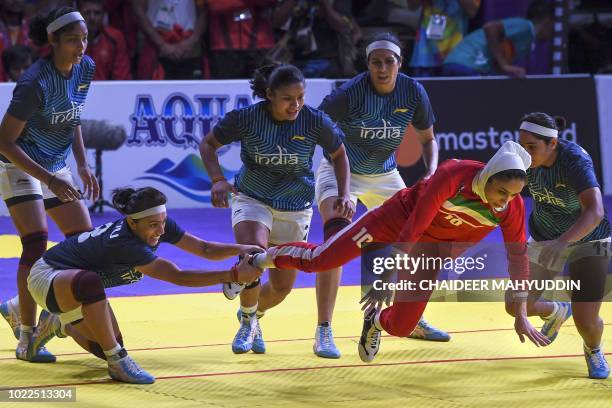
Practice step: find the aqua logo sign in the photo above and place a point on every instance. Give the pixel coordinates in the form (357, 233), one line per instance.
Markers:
(189, 177)
(182, 121)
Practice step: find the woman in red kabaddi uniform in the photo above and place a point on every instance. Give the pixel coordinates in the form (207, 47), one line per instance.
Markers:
(462, 202)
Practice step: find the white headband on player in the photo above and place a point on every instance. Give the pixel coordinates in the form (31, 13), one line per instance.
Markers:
(383, 45)
(148, 212)
(61, 21)
(539, 130)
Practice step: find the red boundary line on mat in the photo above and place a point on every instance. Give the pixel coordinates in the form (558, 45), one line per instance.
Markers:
(277, 370)
(271, 341)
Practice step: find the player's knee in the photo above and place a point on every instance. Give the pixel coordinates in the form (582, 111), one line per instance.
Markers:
(333, 226)
(87, 287)
(282, 289)
(588, 325)
(34, 246)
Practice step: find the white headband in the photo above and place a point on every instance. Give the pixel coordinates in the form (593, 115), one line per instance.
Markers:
(151, 211)
(64, 20)
(539, 130)
(383, 45)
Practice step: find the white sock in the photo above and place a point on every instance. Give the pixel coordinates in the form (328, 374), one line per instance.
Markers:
(377, 321)
(25, 336)
(555, 310)
(113, 351)
(591, 349)
(27, 329)
(249, 310)
(262, 260)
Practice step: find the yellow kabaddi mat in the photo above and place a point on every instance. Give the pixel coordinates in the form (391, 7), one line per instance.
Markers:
(185, 341)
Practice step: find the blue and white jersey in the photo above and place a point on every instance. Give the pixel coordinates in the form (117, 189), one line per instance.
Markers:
(51, 106)
(111, 250)
(277, 156)
(555, 193)
(375, 124)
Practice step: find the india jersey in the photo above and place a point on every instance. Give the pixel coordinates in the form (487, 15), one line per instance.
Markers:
(375, 124)
(277, 156)
(555, 193)
(111, 250)
(51, 106)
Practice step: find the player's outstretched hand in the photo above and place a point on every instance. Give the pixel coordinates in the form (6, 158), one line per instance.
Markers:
(246, 272)
(376, 299)
(524, 328)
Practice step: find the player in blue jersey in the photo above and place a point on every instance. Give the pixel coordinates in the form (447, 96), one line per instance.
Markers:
(70, 278)
(568, 225)
(274, 190)
(373, 110)
(40, 127)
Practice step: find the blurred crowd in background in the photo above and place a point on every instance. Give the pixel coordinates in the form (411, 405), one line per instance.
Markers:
(223, 39)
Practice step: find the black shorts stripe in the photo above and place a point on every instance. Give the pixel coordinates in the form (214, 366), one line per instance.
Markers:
(22, 199)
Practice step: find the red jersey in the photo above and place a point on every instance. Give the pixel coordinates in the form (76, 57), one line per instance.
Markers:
(110, 54)
(446, 209)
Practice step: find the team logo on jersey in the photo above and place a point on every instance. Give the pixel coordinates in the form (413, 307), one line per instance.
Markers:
(559, 185)
(298, 137)
(67, 115)
(547, 197)
(83, 86)
(400, 110)
(276, 159)
(386, 131)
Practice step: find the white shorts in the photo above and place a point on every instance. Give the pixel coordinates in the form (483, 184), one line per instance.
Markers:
(372, 190)
(570, 253)
(284, 226)
(15, 183)
(40, 281)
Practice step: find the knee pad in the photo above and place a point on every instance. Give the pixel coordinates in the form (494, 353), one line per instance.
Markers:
(333, 225)
(34, 246)
(253, 284)
(87, 287)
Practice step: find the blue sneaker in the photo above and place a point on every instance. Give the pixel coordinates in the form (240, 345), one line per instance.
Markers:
(12, 317)
(552, 326)
(243, 341)
(259, 346)
(597, 364)
(324, 345)
(47, 328)
(122, 368)
(426, 331)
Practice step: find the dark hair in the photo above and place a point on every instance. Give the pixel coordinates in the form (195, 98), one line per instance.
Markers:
(386, 36)
(511, 174)
(39, 23)
(540, 10)
(544, 119)
(16, 55)
(274, 76)
(129, 201)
